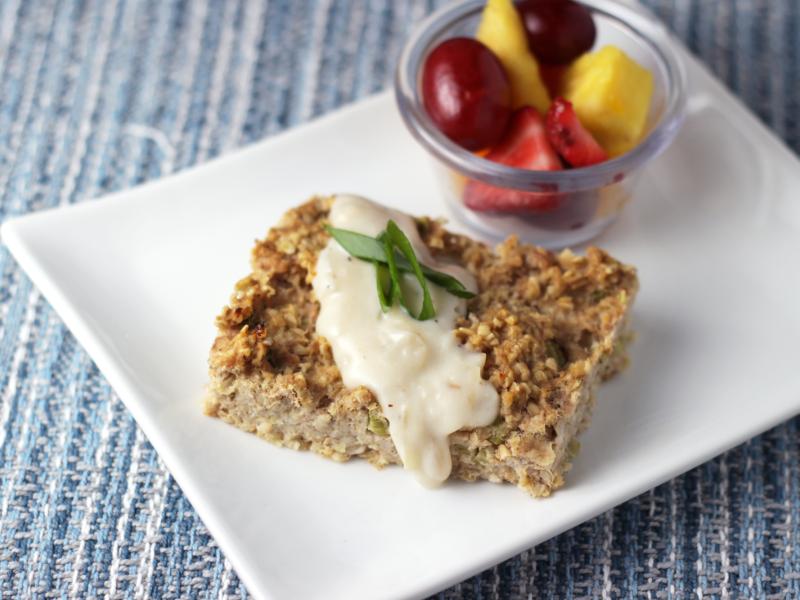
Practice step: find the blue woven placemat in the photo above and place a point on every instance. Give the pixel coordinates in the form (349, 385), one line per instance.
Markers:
(100, 95)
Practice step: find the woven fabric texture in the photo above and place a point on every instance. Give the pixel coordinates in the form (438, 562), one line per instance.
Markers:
(100, 95)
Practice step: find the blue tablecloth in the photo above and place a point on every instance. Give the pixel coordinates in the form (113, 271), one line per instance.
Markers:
(100, 95)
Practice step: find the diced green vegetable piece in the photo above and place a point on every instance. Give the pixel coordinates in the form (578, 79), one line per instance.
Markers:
(556, 352)
(378, 424)
(499, 434)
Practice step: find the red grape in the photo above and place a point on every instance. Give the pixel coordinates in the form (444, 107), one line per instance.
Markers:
(558, 30)
(553, 76)
(466, 92)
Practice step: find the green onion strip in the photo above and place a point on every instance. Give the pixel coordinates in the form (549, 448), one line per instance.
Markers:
(391, 253)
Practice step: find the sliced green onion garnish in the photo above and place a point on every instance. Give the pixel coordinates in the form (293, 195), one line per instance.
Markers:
(392, 253)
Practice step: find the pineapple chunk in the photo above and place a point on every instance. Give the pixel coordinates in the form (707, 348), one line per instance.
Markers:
(611, 94)
(502, 31)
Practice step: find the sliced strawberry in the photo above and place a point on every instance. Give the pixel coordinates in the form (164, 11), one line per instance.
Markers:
(483, 197)
(524, 146)
(570, 138)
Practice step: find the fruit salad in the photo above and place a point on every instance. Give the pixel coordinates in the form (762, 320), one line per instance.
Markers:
(531, 92)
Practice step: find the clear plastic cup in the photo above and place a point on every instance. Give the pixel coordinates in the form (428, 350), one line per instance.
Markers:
(578, 203)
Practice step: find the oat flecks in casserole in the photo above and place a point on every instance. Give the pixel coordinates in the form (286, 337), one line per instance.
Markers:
(552, 327)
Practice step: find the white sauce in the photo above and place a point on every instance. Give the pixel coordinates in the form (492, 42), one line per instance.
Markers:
(427, 384)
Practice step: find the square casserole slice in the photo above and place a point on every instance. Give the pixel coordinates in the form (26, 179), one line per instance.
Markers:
(552, 326)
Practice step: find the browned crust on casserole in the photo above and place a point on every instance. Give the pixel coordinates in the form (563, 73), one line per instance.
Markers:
(551, 326)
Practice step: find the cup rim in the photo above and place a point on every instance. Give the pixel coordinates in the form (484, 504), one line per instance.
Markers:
(637, 21)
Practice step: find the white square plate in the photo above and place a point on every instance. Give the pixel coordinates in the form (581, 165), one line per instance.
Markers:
(139, 277)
